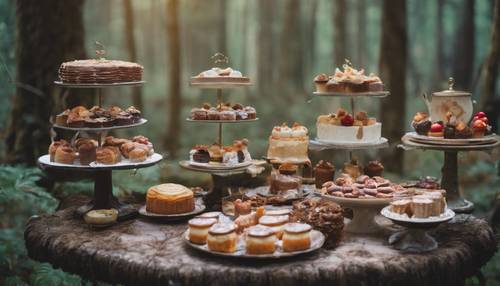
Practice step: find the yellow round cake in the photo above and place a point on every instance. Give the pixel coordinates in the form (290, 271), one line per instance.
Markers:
(169, 199)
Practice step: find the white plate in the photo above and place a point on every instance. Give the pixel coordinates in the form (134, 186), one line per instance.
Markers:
(98, 85)
(222, 121)
(446, 216)
(199, 207)
(442, 141)
(96, 129)
(44, 161)
(220, 166)
(317, 241)
(323, 145)
(354, 94)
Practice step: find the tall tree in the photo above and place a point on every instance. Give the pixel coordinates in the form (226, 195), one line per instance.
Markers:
(361, 34)
(171, 139)
(222, 42)
(393, 56)
(339, 32)
(48, 33)
(440, 54)
(463, 68)
(265, 54)
(492, 61)
(291, 53)
(132, 51)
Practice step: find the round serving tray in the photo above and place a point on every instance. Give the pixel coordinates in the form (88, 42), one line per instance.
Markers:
(489, 139)
(417, 222)
(219, 82)
(222, 121)
(317, 241)
(98, 129)
(186, 165)
(318, 145)
(220, 166)
(98, 85)
(353, 94)
(409, 144)
(125, 164)
(199, 207)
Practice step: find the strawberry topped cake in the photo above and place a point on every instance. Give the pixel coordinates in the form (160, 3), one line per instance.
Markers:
(343, 127)
(288, 144)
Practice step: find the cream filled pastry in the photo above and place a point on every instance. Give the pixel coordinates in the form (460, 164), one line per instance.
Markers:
(288, 144)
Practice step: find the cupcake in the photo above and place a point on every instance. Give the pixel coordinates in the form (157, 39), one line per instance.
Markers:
(401, 207)
(353, 169)
(62, 118)
(222, 237)
(324, 172)
(199, 114)
(86, 150)
(320, 82)
(65, 155)
(296, 237)
(198, 229)
(53, 147)
(374, 168)
(216, 153)
(227, 115)
(251, 112)
(213, 114)
(421, 123)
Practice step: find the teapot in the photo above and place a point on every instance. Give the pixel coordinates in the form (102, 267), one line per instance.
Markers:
(459, 103)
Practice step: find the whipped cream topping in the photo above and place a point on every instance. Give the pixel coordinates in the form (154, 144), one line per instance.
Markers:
(297, 131)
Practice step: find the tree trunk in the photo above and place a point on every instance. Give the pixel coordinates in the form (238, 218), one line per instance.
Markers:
(361, 34)
(311, 37)
(339, 32)
(132, 51)
(171, 139)
(492, 62)
(290, 56)
(265, 55)
(393, 55)
(222, 45)
(463, 68)
(440, 67)
(48, 33)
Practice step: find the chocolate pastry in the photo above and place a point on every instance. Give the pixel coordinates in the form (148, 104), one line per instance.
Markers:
(374, 168)
(449, 131)
(323, 215)
(201, 155)
(124, 120)
(423, 127)
(324, 172)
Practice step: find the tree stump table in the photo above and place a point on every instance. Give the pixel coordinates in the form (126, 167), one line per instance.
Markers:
(142, 252)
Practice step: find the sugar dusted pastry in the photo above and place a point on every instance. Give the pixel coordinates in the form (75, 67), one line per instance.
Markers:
(169, 199)
(260, 240)
(296, 237)
(53, 147)
(64, 154)
(108, 155)
(222, 237)
(198, 229)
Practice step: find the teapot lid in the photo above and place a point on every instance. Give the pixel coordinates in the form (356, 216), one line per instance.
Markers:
(450, 91)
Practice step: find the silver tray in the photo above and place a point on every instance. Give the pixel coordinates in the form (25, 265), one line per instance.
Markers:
(220, 83)
(413, 136)
(98, 85)
(317, 241)
(397, 218)
(220, 166)
(222, 121)
(353, 94)
(125, 164)
(325, 145)
(199, 207)
(98, 129)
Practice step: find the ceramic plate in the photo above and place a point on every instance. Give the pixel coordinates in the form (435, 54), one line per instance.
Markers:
(220, 166)
(199, 207)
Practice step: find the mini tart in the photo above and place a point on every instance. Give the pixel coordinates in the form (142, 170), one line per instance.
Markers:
(222, 237)
(214, 215)
(198, 229)
(260, 240)
(422, 207)
(277, 223)
(297, 236)
(101, 217)
(169, 199)
(401, 207)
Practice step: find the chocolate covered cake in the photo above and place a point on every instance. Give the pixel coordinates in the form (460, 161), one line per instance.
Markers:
(102, 71)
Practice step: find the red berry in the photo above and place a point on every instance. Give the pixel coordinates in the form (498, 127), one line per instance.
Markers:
(485, 120)
(436, 127)
(479, 124)
(347, 120)
(480, 114)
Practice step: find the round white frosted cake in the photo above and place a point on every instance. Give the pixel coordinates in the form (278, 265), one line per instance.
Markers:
(328, 130)
(288, 144)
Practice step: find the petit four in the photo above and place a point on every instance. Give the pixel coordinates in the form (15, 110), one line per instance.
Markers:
(86, 150)
(296, 236)
(342, 127)
(96, 117)
(288, 144)
(230, 155)
(363, 187)
(374, 168)
(225, 111)
(452, 128)
(108, 155)
(169, 199)
(222, 237)
(260, 240)
(285, 179)
(198, 229)
(65, 154)
(420, 203)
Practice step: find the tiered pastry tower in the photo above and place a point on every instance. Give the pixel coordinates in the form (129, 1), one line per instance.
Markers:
(221, 177)
(103, 186)
(364, 210)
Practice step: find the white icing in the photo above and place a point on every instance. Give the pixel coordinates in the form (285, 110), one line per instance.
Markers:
(348, 134)
(209, 73)
(235, 73)
(230, 158)
(285, 132)
(275, 132)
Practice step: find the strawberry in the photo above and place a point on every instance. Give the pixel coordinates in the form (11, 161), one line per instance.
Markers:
(347, 120)
(479, 124)
(484, 119)
(436, 127)
(480, 114)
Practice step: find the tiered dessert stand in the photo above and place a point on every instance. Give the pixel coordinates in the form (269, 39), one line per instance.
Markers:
(103, 187)
(449, 171)
(364, 210)
(221, 176)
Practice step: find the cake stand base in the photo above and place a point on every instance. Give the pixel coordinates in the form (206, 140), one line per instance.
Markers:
(104, 199)
(413, 240)
(449, 182)
(363, 221)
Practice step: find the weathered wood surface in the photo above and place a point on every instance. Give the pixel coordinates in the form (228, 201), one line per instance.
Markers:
(142, 252)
